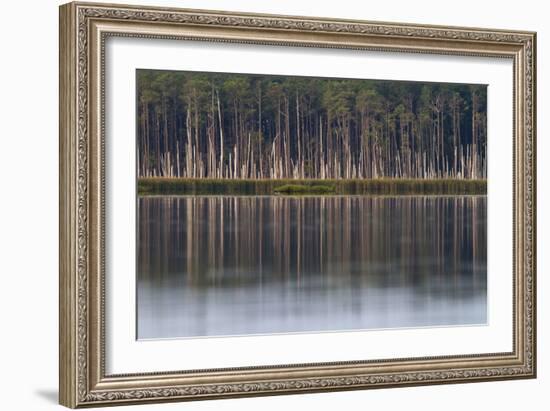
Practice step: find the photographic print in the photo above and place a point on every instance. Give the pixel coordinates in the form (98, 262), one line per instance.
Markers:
(285, 204)
(257, 204)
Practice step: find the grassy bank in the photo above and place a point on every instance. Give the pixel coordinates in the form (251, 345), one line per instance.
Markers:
(156, 186)
(297, 189)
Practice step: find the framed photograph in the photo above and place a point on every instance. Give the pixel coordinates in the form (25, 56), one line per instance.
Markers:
(259, 204)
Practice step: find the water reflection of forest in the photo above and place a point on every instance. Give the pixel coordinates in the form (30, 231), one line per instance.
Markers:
(216, 241)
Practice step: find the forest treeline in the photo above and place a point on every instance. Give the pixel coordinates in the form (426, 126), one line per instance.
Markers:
(236, 126)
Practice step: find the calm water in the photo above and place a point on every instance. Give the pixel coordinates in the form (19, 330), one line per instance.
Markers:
(212, 265)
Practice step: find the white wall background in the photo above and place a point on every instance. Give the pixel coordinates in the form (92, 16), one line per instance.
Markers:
(29, 188)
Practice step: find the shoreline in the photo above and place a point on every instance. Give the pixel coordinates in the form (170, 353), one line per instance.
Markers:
(298, 187)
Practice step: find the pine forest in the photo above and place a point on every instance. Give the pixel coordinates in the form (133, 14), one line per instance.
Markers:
(197, 125)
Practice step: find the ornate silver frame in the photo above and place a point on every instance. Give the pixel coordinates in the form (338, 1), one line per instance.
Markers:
(83, 30)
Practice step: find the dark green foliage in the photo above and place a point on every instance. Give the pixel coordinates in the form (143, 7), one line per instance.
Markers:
(240, 126)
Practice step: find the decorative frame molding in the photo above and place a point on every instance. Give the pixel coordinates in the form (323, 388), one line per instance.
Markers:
(83, 30)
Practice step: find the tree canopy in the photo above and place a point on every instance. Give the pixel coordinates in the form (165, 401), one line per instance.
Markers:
(236, 126)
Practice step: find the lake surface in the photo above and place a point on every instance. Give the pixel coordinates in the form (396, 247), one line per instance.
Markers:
(235, 265)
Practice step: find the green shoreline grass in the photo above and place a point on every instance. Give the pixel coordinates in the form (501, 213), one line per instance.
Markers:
(386, 186)
(297, 189)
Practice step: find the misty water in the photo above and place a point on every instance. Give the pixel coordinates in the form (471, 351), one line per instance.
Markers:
(236, 265)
